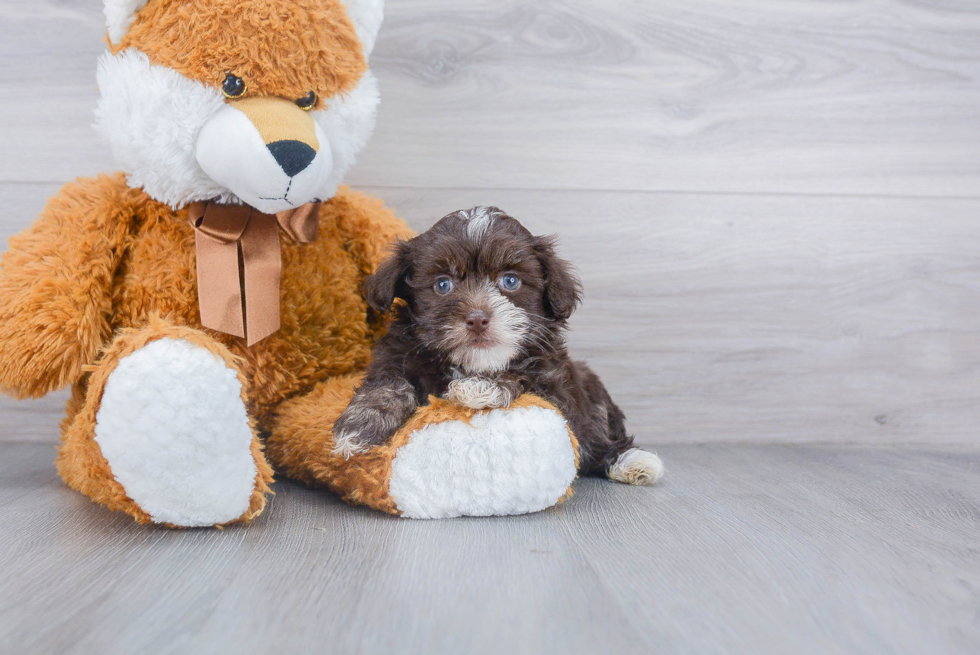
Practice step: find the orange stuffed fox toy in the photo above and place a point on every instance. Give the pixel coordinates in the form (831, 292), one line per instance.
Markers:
(207, 298)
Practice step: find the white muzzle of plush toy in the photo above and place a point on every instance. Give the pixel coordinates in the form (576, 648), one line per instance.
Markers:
(267, 151)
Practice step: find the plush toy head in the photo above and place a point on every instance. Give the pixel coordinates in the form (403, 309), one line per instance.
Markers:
(240, 101)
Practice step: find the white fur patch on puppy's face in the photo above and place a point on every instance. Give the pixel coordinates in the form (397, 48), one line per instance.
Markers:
(479, 220)
(506, 331)
(155, 120)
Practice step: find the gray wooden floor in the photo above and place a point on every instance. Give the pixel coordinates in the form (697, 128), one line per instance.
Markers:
(775, 207)
(745, 548)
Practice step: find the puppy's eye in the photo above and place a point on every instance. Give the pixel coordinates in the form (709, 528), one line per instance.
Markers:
(443, 285)
(509, 282)
(234, 86)
(306, 102)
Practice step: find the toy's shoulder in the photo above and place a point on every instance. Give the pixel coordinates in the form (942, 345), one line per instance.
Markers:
(82, 214)
(366, 226)
(103, 201)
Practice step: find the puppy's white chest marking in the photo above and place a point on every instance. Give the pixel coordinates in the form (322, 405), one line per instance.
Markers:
(478, 393)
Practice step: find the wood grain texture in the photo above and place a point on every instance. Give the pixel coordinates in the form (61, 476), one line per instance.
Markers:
(750, 549)
(50, 52)
(716, 317)
(755, 96)
(807, 97)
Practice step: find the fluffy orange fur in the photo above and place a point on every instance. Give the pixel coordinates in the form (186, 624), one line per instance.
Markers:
(56, 291)
(312, 47)
(103, 257)
(84, 286)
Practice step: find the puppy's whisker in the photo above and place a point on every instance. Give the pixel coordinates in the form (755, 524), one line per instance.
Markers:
(538, 340)
(418, 347)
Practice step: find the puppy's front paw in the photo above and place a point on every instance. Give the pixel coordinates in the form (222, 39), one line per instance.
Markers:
(478, 393)
(358, 429)
(373, 417)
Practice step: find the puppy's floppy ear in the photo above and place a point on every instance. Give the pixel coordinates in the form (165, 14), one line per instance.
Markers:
(562, 287)
(390, 280)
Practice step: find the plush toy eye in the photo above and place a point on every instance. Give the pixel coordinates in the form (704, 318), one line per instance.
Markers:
(443, 285)
(509, 282)
(306, 102)
(234, 86)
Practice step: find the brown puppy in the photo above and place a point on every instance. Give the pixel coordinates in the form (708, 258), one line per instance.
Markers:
(486, 305)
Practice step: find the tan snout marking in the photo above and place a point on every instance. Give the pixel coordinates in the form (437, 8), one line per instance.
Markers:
(277, 119)
(477, 295)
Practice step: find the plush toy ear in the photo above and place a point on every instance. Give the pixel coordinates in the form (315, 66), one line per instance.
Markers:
(119, 15)
(390, 281)
(562, 288)
(366, 15)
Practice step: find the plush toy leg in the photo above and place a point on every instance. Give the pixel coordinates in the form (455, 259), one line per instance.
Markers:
(446, 461)
(159, 430)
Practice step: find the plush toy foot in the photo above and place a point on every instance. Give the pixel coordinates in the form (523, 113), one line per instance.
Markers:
(446, 461)
(174, 430)
(637, 467)
(171, 431)
(505, 461)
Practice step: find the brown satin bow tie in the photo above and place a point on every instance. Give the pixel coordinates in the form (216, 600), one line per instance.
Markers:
(239, 264)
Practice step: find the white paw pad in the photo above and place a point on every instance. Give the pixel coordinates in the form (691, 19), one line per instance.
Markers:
(174, 429)
(637, 467)
(512, 461)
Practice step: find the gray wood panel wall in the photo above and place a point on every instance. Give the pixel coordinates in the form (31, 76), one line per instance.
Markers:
(775, 206)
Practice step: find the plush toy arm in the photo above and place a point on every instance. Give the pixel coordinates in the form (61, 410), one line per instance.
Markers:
(367, 227)
(368, 230)
(55, 286)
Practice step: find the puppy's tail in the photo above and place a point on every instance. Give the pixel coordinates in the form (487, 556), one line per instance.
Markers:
(637, 467)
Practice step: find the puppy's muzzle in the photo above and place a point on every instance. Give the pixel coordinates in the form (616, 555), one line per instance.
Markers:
(477, 322)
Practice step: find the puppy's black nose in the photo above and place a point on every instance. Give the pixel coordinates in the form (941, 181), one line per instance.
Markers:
(477, 321)
(292, 156)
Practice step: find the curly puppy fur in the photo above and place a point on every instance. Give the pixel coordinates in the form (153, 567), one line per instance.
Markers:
(483, 307)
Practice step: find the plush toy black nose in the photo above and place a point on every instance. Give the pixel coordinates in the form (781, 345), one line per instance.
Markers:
(477, 321)
(293, 156)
